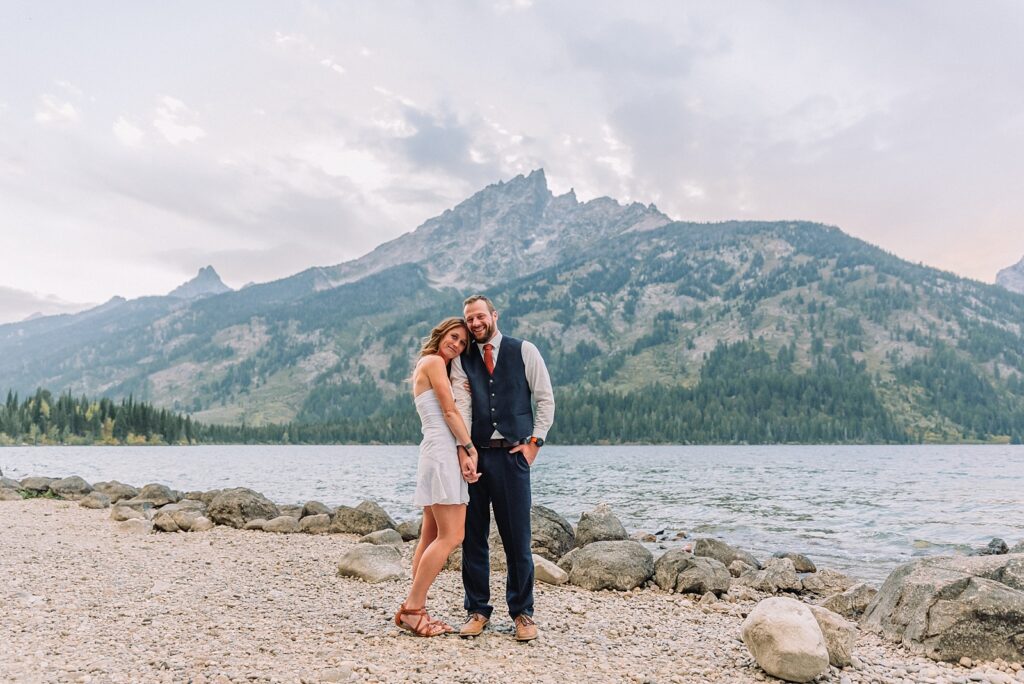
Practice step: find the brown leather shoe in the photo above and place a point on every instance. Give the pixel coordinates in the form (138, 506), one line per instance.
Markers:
(474, 625)
(526, 628)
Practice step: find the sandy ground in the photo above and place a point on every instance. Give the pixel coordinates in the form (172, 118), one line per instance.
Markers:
(82, 602)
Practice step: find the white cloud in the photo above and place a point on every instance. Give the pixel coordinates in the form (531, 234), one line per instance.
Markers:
(54, 111)
(331, 64)
(128, 133)
(174, 121)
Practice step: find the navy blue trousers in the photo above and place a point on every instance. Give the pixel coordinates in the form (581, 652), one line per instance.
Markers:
(505, 485)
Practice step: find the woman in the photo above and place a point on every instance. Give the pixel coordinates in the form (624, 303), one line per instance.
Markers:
(447, 462)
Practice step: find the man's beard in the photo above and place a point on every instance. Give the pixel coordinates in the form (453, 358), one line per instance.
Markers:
(487, 334)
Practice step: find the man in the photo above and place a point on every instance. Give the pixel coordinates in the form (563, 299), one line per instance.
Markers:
(504, 374)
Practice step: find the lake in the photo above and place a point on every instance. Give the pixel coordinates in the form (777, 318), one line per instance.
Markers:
(860, 509)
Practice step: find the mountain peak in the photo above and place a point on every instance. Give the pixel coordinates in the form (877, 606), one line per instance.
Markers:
(1012, 277)
(206, 283)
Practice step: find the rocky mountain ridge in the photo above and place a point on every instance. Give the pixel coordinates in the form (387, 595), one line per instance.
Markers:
(1012, 277)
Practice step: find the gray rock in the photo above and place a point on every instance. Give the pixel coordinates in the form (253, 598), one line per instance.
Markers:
(722, 552)
(621, 565)
(9, 494)
(37, 485)
(996, 547)
(208, 497)
(365, 518)
(8, 483)
(388, 537)
(143, 506)
(777, 575)
(1017, 548)
(315, 524)
(238, 506)
(738, 567)
(315, 508)
(566, 561)
(372, 563)
(547, 572)
(184, 519)
(409, 529)
(954, 607)
(136, 526)
(95, 499)
(121, 513)
(202, 524)
(192, 505)
(116, 490)
(293, 510)
(255, 524)
(826, 582)
(785, 639)
(839, 634)
(683, 573)
(851, 603)
(71, 488)
(800, 562)
(164, 522)
(552, 534)
(193, 496)
(282, 524)
(597, 525)
(156, 494)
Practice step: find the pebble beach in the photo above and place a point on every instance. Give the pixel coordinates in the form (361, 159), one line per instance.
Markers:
(84, 602)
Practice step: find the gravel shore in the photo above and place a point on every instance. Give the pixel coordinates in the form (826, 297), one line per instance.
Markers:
(83, 602)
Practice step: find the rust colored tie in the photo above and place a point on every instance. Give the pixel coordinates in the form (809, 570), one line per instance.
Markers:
(489, 358)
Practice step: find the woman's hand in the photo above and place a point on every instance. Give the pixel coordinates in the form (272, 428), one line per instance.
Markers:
(468, 464)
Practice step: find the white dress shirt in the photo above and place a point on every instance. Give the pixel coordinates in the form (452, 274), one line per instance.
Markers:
(536, 377)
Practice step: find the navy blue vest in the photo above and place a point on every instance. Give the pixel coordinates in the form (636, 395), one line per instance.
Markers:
(501, 401)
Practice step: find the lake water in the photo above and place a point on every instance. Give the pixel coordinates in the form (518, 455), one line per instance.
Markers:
(859, 509)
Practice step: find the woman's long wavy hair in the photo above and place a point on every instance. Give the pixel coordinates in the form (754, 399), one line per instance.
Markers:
(432, 342)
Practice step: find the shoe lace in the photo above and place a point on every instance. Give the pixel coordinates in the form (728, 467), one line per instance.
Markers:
(525, 620)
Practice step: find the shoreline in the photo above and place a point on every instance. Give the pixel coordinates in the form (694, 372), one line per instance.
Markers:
(89, 602)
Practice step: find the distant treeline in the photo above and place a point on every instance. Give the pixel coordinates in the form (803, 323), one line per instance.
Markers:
(743, 395)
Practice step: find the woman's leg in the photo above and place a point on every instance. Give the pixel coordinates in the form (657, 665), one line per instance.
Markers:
(451, 527)
(428, 532)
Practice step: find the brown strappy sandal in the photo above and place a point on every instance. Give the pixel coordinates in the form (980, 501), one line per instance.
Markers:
(425, 626)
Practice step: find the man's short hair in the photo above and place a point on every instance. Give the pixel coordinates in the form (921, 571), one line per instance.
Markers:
(479, 298)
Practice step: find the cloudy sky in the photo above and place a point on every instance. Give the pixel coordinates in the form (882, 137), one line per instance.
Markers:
(141, 141)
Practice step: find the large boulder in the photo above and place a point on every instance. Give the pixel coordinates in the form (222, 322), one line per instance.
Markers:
(950, 607)
(388, 537)
(116, 490)
(37, 485)
(315, 524)
(372, 563)
(851, 603)
(185, 519)
(547, 572)
(120, 513)
(683, 573)
(314, 508)
(826, 582)
(365, 518)
(136, 526)
(164, 522)
(800, 562)
(208, 497)
(621, 565)
(192, 505)
(94, 499)
(293, 510)
(778, 574)
(722, 552)
(598, 525)
(552, 534)
(839, 634)
(235, 507)
(202, 524)
(282, 524)
(785, 639)
(72, 488)
(10, 494)
(156, 494)
(410, 529)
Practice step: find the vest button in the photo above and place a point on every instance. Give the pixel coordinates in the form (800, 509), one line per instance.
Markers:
(492, 394)
(492, 408)
(495, 423)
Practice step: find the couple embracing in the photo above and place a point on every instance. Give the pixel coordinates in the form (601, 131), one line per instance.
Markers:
(477, 450)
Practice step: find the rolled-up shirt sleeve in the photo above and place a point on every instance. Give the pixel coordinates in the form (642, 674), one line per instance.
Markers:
(463, 400)
(540, 385)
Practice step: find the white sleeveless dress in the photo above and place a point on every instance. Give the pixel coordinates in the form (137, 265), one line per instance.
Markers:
(438, 477)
